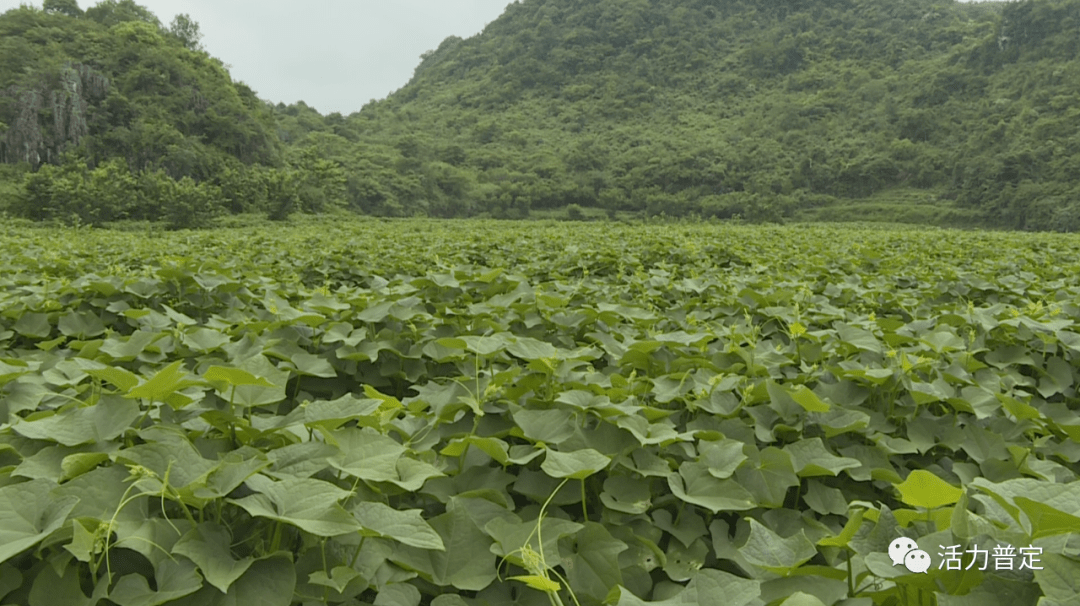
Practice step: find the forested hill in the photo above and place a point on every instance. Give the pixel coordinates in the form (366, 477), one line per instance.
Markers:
(758, 108)
(108, 114)
(767, 110)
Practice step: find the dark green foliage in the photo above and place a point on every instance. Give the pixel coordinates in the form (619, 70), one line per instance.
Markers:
(120, 91)
(725, 109)
(112, 12)
(184, 29)
(467, 413)
(64, 7)
(72, 193)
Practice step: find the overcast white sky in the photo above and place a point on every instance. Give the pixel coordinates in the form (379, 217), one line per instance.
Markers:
(335, 55)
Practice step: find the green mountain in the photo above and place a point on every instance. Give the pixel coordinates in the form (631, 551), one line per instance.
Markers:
(724, 107)
(921, 110)
(106, 114)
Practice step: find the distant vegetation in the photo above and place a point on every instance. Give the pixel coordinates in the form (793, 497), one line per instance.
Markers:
(811, 109)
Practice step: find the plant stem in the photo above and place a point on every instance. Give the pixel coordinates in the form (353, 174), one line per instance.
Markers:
(584, 505)
(356, 554)
(276, 541)
(232, 416)
(850, 577)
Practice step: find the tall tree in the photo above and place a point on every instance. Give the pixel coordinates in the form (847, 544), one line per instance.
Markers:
(63, 7)
(186, 30)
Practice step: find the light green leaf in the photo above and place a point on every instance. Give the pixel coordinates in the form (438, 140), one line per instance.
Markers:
(167, 381)
(175, 457)
(825, 499)
(538, 582)
(407, 526)
(204, 340)
(846, 534)
(257, 394)
(576, 465)
(808, 399)
(54, 587)
(234, 377)
(34, 325)
(124, 379)
(924, 489)
(1046, 520)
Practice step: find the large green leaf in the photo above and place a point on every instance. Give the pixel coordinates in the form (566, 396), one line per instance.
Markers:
(268, 582)
(268, 386)
(511, 536)
(174, 580)
(208, 546)
(1046, 520)
(707, 588)
(233, 377)
(84, 424)
(768, 476)
(924, 489)
(531, 349)
(308, 504)
(1058, 577)
(466, 563)
(547, 426)
(811, 458)
(164, 383)
(406, 527)
(29, 513)
(576, 465)
(593, 568)
(369, 455)
(767, 549)
(54, 587)
(694, 484)
(722, 457)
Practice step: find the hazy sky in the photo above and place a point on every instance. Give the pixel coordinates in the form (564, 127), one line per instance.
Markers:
(335, 55)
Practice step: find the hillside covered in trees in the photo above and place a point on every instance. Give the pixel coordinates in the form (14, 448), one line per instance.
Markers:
(767, 110)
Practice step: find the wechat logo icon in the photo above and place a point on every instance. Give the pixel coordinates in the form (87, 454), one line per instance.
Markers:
(905, 551)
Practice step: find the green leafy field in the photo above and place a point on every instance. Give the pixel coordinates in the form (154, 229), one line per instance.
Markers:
(468, 413)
